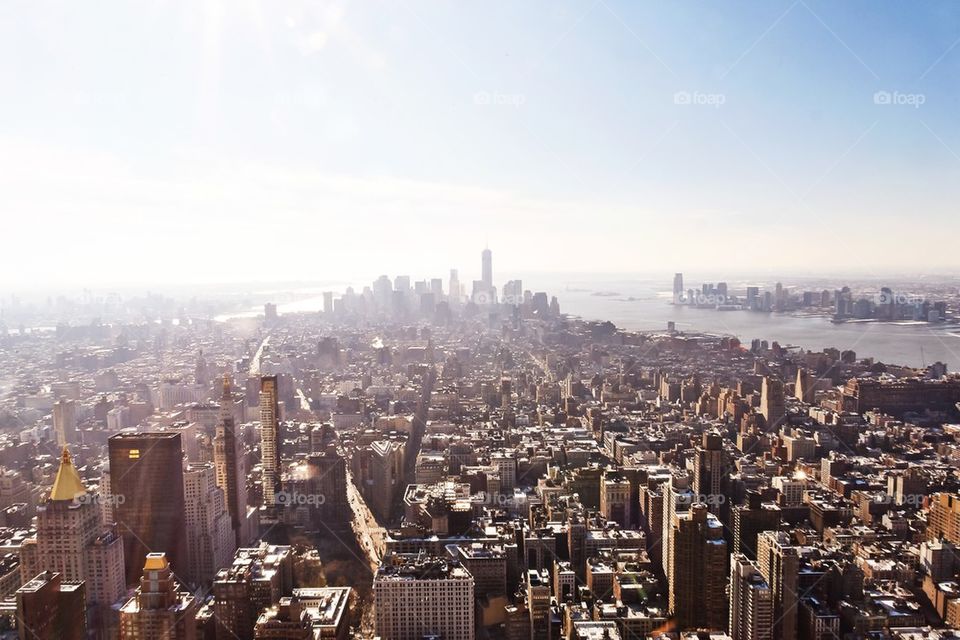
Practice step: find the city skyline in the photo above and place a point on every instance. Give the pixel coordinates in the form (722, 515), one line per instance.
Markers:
(419, 320)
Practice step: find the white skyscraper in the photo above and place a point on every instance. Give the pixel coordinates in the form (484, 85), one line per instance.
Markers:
(210, 536)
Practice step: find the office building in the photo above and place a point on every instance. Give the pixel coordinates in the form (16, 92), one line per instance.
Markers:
(270, 438)
(772, 402)
(749, 520)
(698, 558)
(779, 563)
(943, 521)
(615, 501)
(146, 482)
(751, 602)
(65, 421)
(327, 473)
(51, 608)
(211, 539)
(710, 473)
(231, 476)
(417, 595)
(487, 269)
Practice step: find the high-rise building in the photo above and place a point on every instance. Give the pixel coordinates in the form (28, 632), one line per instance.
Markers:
(327, 472)
(615, 498)
(709, 472)
(943, 521)
(258, 578)
(378, 472)
(159, 610)
(677, 499)
(751, 602)
(803, 390)
(270, 313)
(226, 459)
(50, 608)
(328, 302)
(698, 558)
(454, 292)
(201, 372)
(772, 402)
(677, 288)
(749, 520)
(146, 482)
(65, 421)
(779, 563)
(486, 258)
(211, 540)
(270, 438)
(538, 603)
(72, 542)
(416, 596)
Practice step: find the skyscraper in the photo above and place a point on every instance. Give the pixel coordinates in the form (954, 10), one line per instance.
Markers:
(709, 475)
(211, 539)
(65, 421)
(454, 292)
(486, 259)
(159, 610)
(772, 402)
(779, 563)
(677, 288)
(146, 481)
(225, 459)
(751, 602)
(803, 390)
(698, 557)
(677, 499)
(270, 438)
(72, 542)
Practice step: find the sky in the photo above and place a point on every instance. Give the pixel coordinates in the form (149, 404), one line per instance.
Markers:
(245, 140)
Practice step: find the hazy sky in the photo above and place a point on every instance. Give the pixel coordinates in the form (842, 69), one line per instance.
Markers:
(216, 140)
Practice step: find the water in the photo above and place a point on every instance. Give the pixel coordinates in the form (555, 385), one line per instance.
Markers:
(644, 305)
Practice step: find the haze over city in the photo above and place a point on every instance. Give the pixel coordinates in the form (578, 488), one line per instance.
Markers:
(636, 137)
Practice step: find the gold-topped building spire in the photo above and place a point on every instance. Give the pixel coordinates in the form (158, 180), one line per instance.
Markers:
(68, 484)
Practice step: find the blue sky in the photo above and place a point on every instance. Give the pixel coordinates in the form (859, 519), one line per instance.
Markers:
(220, 140)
